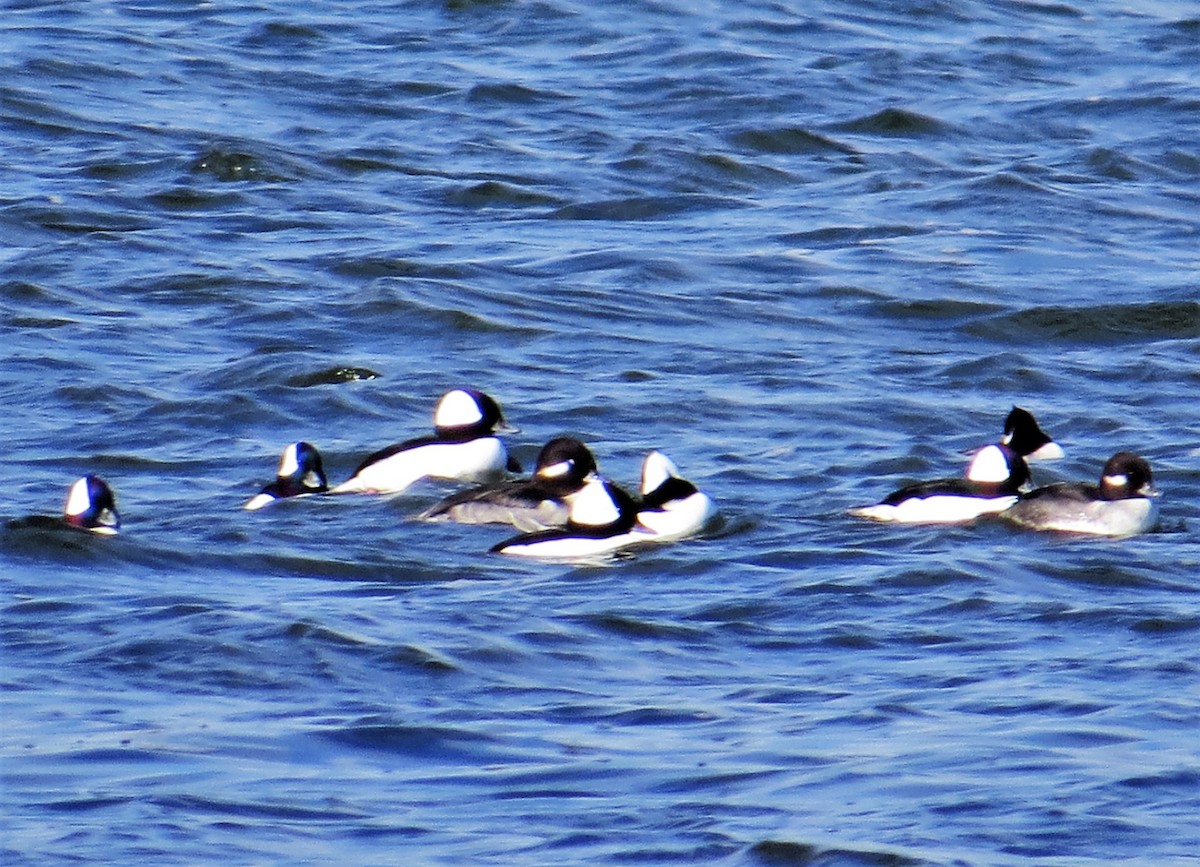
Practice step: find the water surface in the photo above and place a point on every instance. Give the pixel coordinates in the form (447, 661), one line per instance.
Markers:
(812, 251)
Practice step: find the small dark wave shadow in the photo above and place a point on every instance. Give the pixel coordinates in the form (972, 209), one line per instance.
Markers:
(286, 812)
(783, 853)
(789, 140)
(838, 237)
(282, 37)
(1100, 571)
(1184, 782)
(641, 208)
(510, 93)
(429, 311)
(86, 805)
(399, 657)
(330, 376)
(896, 123)
(48, 539)
(231, 162)
(426, 743)
(1105, 324)
(1166, 625)
(499, 194)
(639, 628)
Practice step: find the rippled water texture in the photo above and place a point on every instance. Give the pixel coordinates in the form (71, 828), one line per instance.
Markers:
(811, 251)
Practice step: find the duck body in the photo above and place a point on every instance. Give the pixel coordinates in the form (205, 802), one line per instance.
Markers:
(300, 473)
(92, 506)
(540, 502)
(671, 506)
(992, 484)
(1124, 503)
(463, 447)
(603, 519)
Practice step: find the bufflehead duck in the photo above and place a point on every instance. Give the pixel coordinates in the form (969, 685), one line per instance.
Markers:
(671, 506)
(993, 480)
(1122, 504)
(300, 472)
(91, 506)
(464, 446)
(1023, 435)
(537, 503)
(603, 519)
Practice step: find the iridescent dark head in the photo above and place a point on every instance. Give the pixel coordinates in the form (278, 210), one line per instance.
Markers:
(467, 412)
(91, 506)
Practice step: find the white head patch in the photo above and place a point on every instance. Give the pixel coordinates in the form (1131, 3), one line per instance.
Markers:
(457, 409)
(558, 470)
(289, 463)
(656, 469)
(78, 500)
(1118, 481)
(593, 506)
(989, 465)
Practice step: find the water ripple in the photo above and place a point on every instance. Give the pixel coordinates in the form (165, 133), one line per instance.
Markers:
(810, 252)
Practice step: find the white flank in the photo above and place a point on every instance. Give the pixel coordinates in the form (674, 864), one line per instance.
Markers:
(678, 518)
(574, 547)
(257, 502)
(477, 460)
(938, 509)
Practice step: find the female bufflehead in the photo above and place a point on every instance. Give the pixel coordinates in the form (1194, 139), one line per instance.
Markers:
(537, 503)
(1023, 436)
(300, 472)
(1121, 505)
(671, 506)
(603, 519)
(464, 446)
(992, 483)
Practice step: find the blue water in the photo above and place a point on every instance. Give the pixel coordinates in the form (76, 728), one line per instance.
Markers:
(812, 251)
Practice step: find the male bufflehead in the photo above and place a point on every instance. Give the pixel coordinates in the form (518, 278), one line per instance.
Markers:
(464, 446)
(1122, 504)
(1023, 435)
(91, 506)
(603, 519)
(537, 503)
(300, 472)
(993, 480)
(671, 506)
